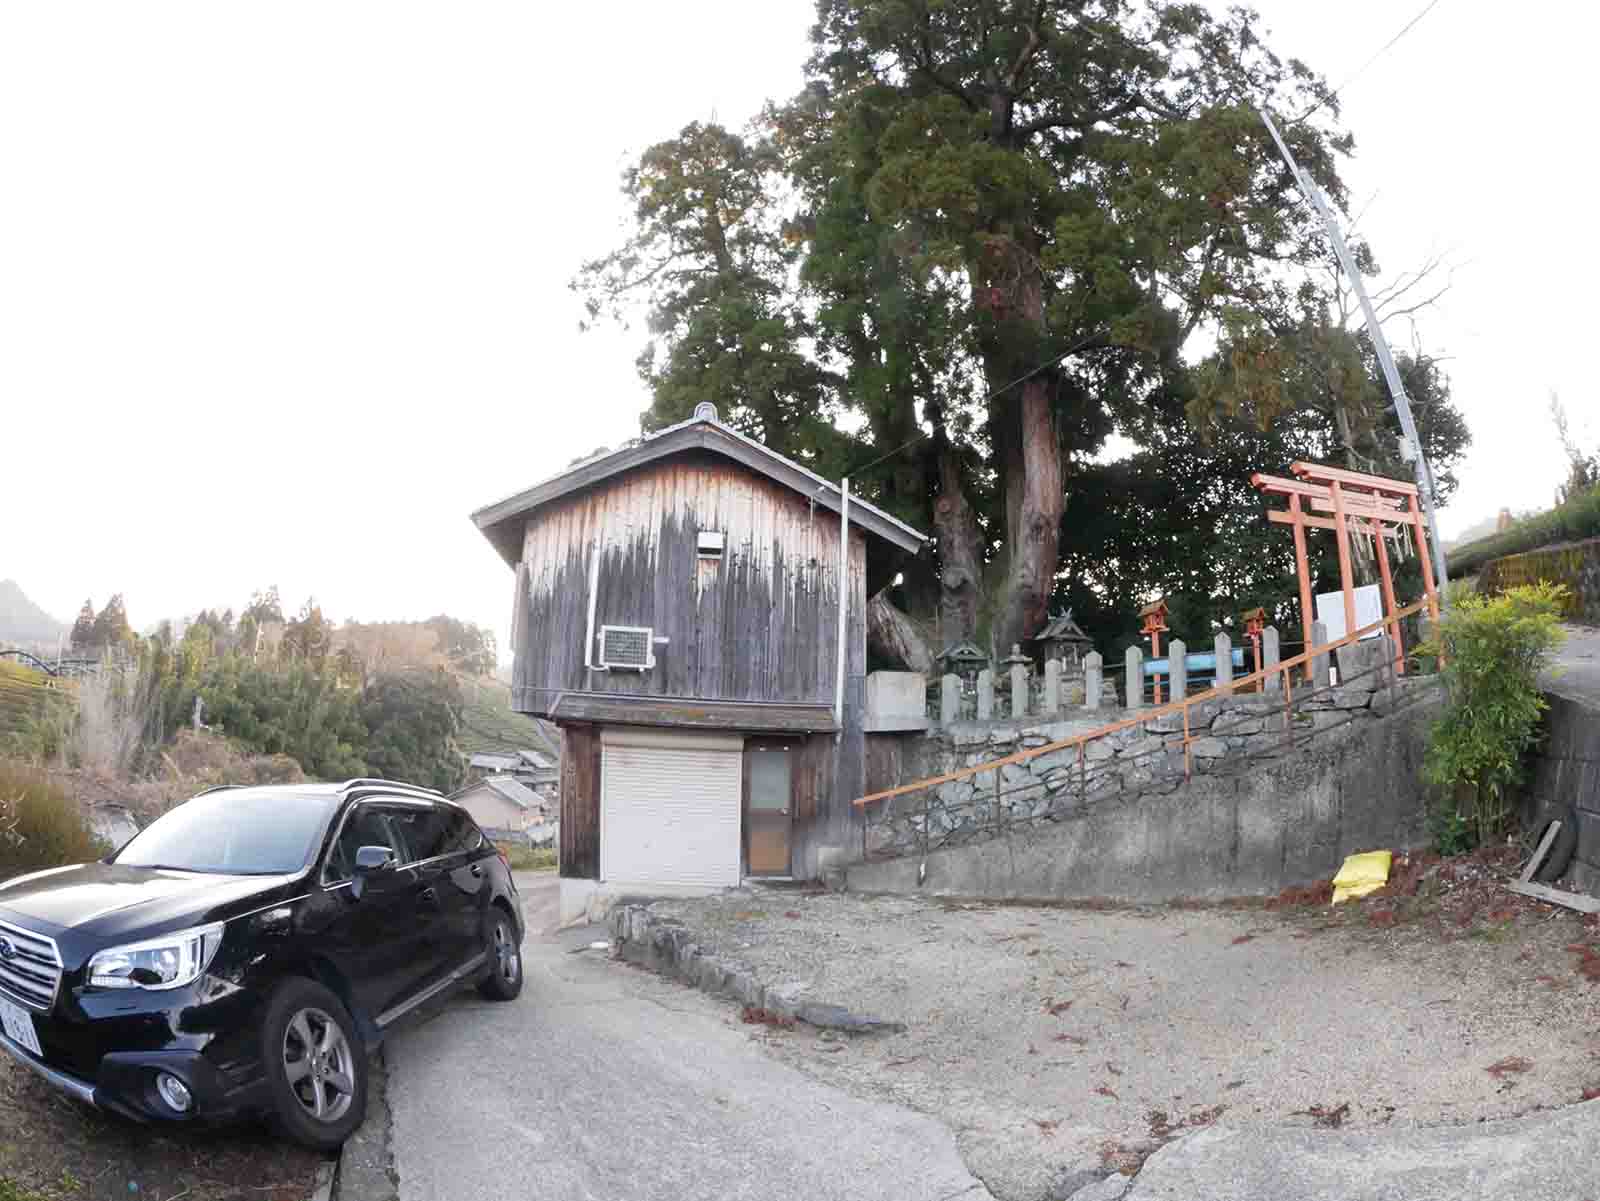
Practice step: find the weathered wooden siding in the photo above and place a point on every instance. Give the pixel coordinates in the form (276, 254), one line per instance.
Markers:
(580, 802)
(760, 625)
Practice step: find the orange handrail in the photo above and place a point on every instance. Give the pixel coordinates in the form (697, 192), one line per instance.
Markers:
(1146, 715)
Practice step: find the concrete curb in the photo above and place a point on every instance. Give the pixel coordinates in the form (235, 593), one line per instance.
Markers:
(323, 1191)
(366, 1163)
(666, 945)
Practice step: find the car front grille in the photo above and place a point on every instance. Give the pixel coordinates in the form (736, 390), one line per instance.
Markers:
(31, 971)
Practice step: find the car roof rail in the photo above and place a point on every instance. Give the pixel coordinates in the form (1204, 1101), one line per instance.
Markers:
(217, 788)
(375, 782)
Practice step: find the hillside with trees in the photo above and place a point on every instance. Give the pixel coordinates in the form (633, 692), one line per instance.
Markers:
(1035, 278)
(380, 699)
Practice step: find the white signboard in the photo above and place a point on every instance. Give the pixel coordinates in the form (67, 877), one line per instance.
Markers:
(1369, 609)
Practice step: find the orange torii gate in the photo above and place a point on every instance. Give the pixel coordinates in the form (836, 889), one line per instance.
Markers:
(1371, 506)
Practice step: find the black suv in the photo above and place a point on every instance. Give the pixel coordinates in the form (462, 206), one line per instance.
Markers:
(245, 952)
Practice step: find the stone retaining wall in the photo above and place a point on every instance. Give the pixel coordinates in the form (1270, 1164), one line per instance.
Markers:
(1229, 734)
(1575, 564)
(1258, 815)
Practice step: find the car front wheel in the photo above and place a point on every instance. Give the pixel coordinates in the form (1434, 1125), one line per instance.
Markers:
(504, 981)
(316, 1065)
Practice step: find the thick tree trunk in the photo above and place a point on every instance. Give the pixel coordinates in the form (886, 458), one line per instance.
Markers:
(1028, 451)
(1035, 543)
(960, 555)
(896, 638)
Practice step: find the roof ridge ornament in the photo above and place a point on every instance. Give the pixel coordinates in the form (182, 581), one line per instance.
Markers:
(706, 411)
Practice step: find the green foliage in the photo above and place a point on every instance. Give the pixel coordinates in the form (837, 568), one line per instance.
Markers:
(710, 256)
(413, 719)
(966, 190)
(1451, 831)
(529, 859)
(293, 709)
(1573, 521)
(111, 629)
(1492, 651)
(35, 713)
(10, 1190)
(40, 823)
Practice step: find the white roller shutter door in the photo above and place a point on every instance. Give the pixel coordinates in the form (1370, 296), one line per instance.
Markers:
(670, 807)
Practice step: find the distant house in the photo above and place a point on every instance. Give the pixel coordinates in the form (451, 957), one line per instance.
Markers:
(503, 803)
(677, 614)
(533, 769)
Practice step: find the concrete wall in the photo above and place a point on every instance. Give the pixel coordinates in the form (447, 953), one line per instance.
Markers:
(1566, 771)
(1352, 784)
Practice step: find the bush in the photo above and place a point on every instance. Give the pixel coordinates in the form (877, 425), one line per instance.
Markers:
(528, 859)
(1492, 651)
(1577, 519)
(40, 823)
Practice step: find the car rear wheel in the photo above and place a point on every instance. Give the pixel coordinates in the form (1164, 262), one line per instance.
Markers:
(504, 981)
(316, 1065)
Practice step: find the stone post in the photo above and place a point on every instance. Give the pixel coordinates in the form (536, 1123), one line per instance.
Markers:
(1224, 649)
(949, 699)
(985, 694)
(1319, 665)
(1270, 659)
(1093, 674)
(1177, 669)
(1052, 687)
(1019, 690)
(1133, 682)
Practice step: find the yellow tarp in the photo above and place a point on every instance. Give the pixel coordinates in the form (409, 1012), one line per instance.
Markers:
(1362, 874)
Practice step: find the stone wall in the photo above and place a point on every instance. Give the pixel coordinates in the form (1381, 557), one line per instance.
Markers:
(1575, 564)
(1566, 772)
(1272, 801)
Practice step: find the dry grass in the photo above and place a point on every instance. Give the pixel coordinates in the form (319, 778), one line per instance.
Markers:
(41, 824)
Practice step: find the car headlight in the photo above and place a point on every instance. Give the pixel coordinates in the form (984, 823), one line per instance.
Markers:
(170, 961)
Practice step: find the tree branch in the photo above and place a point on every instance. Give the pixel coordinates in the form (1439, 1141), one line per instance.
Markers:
(1057, 122)
(1029, 49)
(925, 65)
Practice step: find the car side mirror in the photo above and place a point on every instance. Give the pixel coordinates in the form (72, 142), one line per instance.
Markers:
(370, 861)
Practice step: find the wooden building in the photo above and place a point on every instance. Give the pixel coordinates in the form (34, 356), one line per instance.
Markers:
(676, 613)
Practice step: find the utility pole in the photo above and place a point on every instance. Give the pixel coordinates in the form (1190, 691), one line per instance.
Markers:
(1411, 445)
(844, 601)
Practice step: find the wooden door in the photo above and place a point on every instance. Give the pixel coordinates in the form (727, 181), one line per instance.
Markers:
(768, 806)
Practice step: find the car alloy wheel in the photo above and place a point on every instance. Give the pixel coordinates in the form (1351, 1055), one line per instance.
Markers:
(507, 958)
(319, 1065)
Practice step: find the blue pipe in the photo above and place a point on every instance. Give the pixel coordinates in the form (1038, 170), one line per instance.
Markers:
(1201, 662)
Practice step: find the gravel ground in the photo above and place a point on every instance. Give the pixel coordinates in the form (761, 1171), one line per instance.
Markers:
(55, 1149)
(1062, 1041)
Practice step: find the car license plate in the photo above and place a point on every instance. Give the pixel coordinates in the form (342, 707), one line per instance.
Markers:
(18, 1025)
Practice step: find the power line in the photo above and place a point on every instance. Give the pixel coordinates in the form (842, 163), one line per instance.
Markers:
(985, 399)
(1362, 70)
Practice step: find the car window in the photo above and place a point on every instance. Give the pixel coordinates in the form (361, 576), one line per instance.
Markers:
(463, 834)
(234, 832)
(367, 826)
(424, 829)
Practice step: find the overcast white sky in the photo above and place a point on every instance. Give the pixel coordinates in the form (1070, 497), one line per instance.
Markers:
(283, 287)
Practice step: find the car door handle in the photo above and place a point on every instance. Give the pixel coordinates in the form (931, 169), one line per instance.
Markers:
(429, 896)
(477, 870)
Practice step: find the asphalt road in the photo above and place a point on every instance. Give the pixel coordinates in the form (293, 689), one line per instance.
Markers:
(1577, 665)
(603, 1083)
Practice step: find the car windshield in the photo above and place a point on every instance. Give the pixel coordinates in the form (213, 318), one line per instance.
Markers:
(234, 833)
